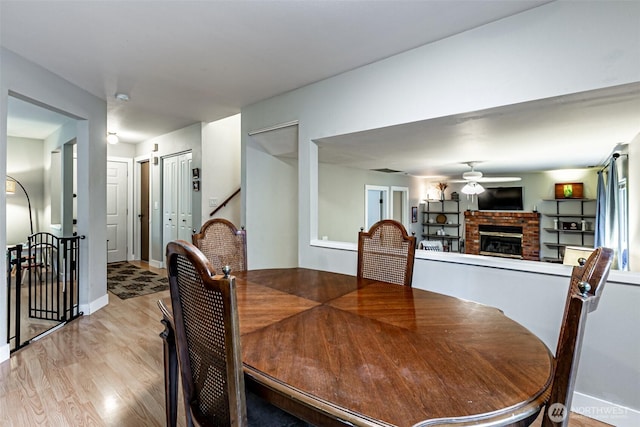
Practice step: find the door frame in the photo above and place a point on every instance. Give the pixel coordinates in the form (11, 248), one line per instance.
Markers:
(404, 201)
(385, 208)
(129, 222)
(135, 230)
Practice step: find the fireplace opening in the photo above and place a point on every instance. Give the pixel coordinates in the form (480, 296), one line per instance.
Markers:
(501, 241)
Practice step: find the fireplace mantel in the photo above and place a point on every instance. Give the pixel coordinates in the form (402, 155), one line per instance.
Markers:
(529, 221)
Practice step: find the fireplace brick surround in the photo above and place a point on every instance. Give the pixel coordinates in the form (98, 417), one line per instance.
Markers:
(529, 221)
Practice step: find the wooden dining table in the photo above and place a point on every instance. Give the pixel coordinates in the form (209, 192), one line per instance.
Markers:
(337, 350)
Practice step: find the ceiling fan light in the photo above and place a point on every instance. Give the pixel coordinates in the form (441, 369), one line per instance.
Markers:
(472, 188)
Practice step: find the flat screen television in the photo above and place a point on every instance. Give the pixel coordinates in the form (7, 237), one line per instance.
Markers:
(501, 199)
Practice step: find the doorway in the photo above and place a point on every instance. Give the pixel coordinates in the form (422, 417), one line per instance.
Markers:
(117, 182)
(376, 204)
(144, 210)
(40, 211)
(400, 205)
(177, 211)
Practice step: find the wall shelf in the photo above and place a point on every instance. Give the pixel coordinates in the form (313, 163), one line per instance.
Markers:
(569, 231)
(574, 212)
(433, 209)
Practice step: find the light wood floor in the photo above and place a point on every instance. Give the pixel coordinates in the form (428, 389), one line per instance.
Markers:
(100, 370)
(29, 327)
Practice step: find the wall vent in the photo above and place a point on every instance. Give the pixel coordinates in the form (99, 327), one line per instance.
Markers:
(386, 170)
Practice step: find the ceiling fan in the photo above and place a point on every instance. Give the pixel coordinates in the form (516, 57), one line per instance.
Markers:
(473, 178)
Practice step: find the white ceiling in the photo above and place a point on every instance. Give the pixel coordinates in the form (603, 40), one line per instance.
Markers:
(187, 61)
(183, 62)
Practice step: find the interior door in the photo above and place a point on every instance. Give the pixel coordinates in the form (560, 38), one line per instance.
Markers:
(176, 198)
(144, 211)
(116, 211)
(169, 200)
(184, 197)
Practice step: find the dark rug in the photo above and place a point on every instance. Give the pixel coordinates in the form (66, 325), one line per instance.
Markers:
(127, 280)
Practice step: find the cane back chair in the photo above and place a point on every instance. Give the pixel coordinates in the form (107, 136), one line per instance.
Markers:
(223, 244)
(386, 253)
(204, 316)
(585, 289)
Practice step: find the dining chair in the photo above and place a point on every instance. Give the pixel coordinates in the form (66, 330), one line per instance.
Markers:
(207, 340)
(223, 244)
(386, 253)
(587, 282)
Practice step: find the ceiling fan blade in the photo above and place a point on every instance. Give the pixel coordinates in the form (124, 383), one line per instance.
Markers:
(499, 179)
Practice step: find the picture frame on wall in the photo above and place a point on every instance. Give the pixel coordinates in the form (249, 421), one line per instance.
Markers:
(196, 173)
(414, 214)
(569, 190)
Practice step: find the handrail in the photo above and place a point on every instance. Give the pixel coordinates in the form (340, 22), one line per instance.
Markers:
(223, 204)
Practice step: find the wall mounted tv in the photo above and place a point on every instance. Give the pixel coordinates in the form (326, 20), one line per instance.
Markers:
(501, 199)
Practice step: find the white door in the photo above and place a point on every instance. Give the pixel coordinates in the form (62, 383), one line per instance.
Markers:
(184, 198)
(116, 211)
(177, 213)
(169, 201)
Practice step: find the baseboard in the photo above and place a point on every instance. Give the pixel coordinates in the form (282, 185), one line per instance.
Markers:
(95, 305)
(156, 264)
(5, 352)
(607, 412)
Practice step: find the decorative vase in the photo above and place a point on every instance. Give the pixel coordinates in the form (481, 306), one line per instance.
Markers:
(442, 196)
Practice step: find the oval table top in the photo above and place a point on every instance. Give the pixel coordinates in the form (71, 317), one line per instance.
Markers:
(373, 353)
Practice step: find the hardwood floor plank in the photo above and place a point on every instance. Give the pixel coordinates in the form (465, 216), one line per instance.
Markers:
(105, 369)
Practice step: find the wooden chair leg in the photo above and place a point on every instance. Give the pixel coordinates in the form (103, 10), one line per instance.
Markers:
(170, 373)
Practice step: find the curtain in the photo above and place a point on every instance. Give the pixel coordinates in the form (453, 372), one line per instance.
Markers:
(601, 209)
(612, 232)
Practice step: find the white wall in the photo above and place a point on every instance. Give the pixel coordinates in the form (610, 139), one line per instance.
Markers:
(555, 49)
(220, 175)
(121, 149)
(341, 199)
(273, 226)
(26, 164)
(31, 81)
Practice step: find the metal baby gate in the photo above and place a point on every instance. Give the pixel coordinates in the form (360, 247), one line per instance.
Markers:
(43, 278)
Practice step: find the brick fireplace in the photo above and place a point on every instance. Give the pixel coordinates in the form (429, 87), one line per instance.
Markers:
(515, 224)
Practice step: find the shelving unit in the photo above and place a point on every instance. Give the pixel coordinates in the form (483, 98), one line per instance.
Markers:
(434, 211)
(579, 217)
